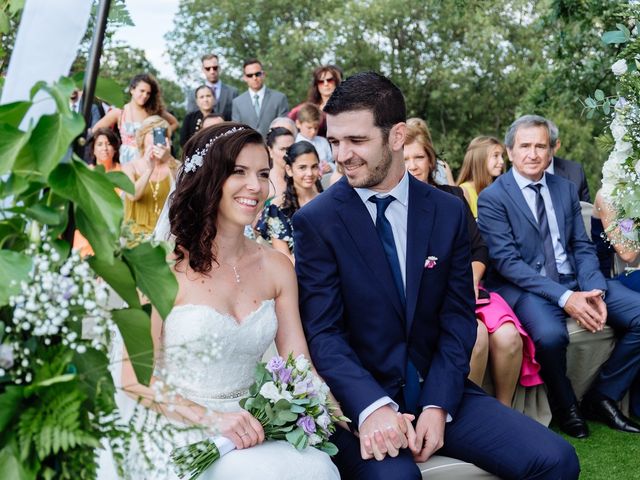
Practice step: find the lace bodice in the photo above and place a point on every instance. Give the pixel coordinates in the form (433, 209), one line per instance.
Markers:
(209, 356)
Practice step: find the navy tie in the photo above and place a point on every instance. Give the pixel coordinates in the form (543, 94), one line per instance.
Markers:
(411, 388)
(550, 267)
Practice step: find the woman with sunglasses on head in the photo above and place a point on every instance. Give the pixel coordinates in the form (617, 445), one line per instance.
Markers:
(146, 100)
(324, 81)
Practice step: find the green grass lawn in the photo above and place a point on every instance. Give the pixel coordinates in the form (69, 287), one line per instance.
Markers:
(608, 454)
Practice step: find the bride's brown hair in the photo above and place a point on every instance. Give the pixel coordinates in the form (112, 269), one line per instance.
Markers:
(195, 202)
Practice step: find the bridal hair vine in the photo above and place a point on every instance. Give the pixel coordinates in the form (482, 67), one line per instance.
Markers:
(194, 162)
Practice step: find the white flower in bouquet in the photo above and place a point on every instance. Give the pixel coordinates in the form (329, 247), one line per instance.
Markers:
(302, 363)
(271, 392)
(619, 67)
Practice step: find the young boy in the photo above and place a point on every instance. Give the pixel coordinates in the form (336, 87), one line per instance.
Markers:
(307, 123)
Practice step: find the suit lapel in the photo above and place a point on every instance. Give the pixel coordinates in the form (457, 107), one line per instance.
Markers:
(265, 101)
(516, 195)
(420, 221)
(361, 228)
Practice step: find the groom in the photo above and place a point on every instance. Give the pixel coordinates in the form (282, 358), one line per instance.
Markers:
(387, 304)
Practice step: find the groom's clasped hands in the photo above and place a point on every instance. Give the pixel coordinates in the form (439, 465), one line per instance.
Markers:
(386, 432)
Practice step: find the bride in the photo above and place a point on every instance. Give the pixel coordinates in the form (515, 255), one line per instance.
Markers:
(235, 296)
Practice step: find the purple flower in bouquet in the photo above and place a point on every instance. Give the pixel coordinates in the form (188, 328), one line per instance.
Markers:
(6, 356)
(302, 386)
(307, 424)
(275, 364)
(626, 225)
(284, 374)
(621, 102)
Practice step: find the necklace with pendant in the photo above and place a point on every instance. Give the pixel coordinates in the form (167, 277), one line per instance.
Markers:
(155, 190)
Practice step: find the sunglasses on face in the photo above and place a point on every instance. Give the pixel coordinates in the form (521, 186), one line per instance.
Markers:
(326, 81)
(213, 67)
(251, 75)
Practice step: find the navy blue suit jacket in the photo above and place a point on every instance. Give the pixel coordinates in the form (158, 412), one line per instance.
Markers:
(358, 333)
(515, 246)
(573, 171)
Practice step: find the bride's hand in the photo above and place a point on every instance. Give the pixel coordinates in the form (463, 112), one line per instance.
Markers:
(241, 428)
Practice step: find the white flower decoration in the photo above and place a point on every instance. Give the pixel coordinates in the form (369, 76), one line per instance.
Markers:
(619, 68)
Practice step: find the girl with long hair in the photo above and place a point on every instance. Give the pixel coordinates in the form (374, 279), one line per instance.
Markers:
(302, 180)
(482, 163)
(146, 100)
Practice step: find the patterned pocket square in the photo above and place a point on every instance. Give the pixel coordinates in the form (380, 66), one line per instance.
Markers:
(430, 262)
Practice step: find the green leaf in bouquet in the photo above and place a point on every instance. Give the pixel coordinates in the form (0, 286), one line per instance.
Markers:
(599, 95)
(135, 328)
(614, 36)
(328, 448)
(285, 416)
(153, 275)
(12, 141)
(118, 275)
(262, 375)
(121, 181)
(297, 408)
(14, 267)
(41, 213)
(297, 438)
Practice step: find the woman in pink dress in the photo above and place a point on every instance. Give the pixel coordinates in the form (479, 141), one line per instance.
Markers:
(502, 344)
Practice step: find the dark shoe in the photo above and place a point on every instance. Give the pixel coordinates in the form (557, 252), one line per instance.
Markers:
(606, 411)
(571, 422)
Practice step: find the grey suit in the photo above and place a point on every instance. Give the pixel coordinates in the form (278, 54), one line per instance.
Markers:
(274, 104)
(223, 104)
(573, 172)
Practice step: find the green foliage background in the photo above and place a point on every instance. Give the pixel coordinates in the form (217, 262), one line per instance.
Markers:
(468, 67)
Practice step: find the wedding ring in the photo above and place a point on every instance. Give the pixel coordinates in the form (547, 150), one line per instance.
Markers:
(243, 434)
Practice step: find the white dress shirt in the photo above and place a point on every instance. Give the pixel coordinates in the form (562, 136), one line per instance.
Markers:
(397, 213)
(562, 261)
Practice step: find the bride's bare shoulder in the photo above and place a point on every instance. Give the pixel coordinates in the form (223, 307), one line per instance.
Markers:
(272, 260)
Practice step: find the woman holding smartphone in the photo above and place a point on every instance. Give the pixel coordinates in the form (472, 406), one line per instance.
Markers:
(146, 100)
(152, 173)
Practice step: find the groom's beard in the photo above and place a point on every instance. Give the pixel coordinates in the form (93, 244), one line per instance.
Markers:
(375, 175)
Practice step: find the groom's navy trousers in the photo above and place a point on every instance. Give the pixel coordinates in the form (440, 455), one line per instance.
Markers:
(362, 335)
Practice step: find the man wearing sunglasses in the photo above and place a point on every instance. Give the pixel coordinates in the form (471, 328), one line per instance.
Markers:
(259, 105)
(223, 94)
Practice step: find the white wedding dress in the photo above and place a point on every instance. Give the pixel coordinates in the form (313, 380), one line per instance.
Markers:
(210, 358)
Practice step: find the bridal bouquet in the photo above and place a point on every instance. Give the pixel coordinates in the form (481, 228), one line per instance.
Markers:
(290, 402)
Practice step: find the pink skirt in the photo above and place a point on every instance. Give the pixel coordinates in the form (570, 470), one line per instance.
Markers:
(494, 315)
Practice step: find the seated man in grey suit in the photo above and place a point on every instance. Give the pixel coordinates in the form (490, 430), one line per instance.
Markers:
(259, 105)
(223, 94)
(564, 168)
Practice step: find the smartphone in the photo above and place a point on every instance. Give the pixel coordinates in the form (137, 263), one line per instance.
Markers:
(159, 136)
(483, 298)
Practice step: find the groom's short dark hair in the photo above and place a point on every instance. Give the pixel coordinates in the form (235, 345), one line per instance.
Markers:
(369, 91)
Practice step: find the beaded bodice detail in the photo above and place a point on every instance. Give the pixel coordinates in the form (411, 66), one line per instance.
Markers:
(209, 356)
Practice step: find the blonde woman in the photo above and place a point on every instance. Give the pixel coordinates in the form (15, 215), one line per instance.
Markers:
(152, 173)
(482, 163)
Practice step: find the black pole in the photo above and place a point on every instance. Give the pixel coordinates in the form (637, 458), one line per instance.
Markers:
(88, 91)
(93, 63)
